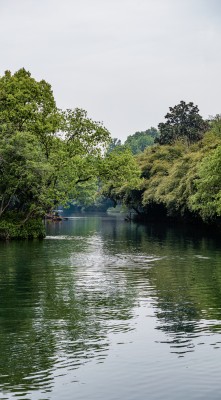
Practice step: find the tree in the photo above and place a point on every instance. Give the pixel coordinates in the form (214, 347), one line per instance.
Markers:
(40, 166)
(83, 135)
(24, 176)
(28, 106)
(183, 122)
(29, 120)
(119, 173)
(156, 165)
(140, 140)
(207, 199)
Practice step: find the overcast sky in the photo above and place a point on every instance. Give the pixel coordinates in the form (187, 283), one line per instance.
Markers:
(124, 61)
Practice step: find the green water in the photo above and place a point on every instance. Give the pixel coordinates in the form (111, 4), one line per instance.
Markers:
(106, 309)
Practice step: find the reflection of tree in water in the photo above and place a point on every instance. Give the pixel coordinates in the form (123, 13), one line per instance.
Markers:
(188, 287)
(52, 316)
(187, 279)
(59, 299)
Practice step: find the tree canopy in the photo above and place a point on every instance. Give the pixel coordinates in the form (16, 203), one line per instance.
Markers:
(50, 157)
(47, 156)
(140, 140)
(182, 122)
(180, 181)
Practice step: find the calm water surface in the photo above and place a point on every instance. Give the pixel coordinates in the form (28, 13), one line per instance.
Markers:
(105, 309)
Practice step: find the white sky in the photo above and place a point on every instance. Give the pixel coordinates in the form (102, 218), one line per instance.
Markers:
(124, 61)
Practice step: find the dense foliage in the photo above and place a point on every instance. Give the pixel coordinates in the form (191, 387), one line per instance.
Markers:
(182, 122)
(139, 141)
(50, 157)
(182, 180)
(38, 168)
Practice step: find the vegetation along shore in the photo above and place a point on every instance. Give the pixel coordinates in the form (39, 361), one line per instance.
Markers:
(51, 157)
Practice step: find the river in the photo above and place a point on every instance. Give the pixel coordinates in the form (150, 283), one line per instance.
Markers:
(108, 309)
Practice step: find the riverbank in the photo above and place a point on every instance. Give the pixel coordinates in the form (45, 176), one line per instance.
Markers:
(35, 228)
(187, 221)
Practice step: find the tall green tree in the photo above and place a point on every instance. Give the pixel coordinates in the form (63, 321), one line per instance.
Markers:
(182, 122)
(29, 120)
(27, 105)
(46, 156)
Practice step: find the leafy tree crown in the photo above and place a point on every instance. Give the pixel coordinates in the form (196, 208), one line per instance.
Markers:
(184, 122)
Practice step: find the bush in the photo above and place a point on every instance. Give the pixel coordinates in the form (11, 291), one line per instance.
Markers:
(12, 229)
